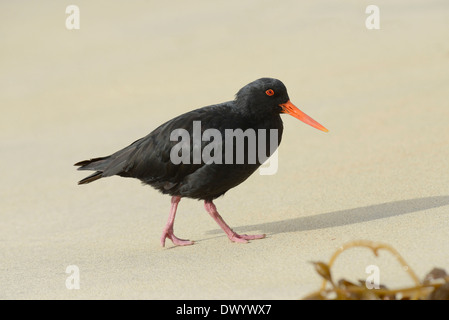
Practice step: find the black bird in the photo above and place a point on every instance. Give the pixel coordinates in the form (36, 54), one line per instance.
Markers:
(169, 165)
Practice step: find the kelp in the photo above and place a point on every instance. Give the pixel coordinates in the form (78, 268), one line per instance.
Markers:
(434, 286)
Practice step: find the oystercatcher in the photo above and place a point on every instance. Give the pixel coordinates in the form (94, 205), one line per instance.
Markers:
(257, 107)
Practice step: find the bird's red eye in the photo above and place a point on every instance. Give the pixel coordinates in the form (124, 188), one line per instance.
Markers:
(269, 92)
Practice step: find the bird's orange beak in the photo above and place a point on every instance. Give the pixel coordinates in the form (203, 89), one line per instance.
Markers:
(291, 109)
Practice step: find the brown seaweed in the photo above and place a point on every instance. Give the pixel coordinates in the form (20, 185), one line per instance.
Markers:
(435, 285)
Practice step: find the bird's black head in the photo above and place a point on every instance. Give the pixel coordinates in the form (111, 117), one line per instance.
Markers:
(263, 96)
(267, 97)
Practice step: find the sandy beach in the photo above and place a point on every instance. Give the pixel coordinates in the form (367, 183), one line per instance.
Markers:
(380, 174)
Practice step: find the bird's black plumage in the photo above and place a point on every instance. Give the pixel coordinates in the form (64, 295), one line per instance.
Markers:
(148, 159)
(206, 172)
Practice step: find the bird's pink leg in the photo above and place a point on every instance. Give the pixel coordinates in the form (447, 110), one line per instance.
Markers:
(233, 236)
(168, 230)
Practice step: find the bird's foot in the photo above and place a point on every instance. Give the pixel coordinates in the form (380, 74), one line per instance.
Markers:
(174, 239)
(243, 238)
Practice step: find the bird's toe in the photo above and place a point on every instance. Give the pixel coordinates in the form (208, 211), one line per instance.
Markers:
(243, 238)
(176, 241)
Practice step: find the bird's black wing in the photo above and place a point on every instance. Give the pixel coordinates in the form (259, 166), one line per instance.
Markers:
(148, 158)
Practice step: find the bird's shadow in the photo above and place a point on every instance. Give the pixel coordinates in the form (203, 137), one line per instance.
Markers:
(345, 217)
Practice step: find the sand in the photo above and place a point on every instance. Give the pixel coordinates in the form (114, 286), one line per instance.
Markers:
(380, 174)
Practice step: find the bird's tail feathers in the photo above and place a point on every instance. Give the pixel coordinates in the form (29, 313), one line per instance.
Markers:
(93, 164)
(95, 176)
(98, 164)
